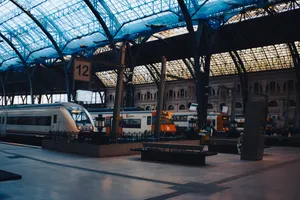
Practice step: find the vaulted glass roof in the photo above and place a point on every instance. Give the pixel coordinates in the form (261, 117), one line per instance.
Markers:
(266, 58)
(32, 31)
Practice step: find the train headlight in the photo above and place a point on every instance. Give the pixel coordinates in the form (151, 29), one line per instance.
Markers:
(79, 127)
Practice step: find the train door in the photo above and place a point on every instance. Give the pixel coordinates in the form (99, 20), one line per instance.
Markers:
(108, 126)
(3, 118)
(54, 123)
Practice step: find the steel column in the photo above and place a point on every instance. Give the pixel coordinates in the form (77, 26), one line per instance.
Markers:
(4, 92)
(66, 67)
(199, 76)
(296, 61)
(233, 101)
(30, 87)
(160, 97)
(243, 77)
(130, 86)
(118, 97)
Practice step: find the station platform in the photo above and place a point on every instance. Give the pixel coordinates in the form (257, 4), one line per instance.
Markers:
(53, 175)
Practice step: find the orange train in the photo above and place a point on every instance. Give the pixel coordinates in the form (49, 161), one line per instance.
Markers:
(137, 122)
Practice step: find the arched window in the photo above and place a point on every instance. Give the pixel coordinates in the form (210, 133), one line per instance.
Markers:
(222, 105)
(273, 88)
(289, 86)
(273, 104)
(138, 96)
(148, 95)
(238, 89)
(211, 92)
(148, 108)
(238, 105)
(170, 107)
(181, 107)
(210, 106)
(155, 95)
(111, 97)
(171, 93)
(182, 93)
(292, 103)
(258, 89)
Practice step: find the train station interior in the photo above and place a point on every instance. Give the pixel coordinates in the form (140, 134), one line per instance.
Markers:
(152, 99)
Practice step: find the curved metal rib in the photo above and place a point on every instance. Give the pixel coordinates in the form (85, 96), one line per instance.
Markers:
(101, 21)
(14, 48)
(42, 28)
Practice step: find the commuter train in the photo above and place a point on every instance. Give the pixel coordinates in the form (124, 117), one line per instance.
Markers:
(43, 119)
(135, 121)
(185, 120)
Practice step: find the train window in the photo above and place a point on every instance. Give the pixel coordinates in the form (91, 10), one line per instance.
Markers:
(107, 122)
(149, 120)
(180, 118)
(131, 123)
(80, 116)
(35, 121)
(54, 119)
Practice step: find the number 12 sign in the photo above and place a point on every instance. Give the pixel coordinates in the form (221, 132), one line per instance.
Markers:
(82, 70)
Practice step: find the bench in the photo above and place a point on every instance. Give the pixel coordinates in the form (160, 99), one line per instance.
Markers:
(225, 145)
(174, 153)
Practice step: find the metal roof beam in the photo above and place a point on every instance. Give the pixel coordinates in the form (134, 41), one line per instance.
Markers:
(101, 21)
(41, 27)
(195, 4)
(188, 65)
(153, 76)
(14, 48)
(110, 14)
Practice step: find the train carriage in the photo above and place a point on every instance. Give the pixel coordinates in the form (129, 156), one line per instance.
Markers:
(136, 122)
(41, 119)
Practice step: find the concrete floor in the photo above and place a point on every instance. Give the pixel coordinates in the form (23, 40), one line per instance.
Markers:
(58, 176)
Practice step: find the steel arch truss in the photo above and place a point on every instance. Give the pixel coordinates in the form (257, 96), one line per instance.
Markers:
(243, 77)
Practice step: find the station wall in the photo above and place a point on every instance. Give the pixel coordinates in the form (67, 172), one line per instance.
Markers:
(278, 86)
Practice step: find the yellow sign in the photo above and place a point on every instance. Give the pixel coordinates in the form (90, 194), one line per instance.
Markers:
(82, 70)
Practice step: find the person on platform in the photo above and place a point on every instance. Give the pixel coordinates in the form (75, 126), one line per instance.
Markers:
(239, 144)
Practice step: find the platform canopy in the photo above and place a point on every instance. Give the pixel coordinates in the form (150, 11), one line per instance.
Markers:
(35, 31)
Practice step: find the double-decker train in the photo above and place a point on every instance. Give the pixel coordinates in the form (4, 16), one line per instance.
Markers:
(40, 120)
(135, 121)
(185, 120)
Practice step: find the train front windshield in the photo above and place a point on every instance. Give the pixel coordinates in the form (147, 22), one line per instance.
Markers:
(79, 116)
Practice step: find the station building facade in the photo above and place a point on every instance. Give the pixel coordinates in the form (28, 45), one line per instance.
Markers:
(277, 87)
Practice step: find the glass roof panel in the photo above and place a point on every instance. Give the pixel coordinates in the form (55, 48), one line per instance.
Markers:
(21, 30)
(108, 78)
(74, 26)
(142, 75)
(222, 64)
(266, 58)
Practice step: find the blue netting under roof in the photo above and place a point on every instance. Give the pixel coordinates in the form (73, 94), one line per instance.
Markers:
(73, 25)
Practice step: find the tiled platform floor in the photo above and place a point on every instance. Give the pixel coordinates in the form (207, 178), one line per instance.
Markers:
(52, 175)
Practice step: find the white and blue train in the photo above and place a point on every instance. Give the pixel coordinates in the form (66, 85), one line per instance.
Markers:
(40, 120)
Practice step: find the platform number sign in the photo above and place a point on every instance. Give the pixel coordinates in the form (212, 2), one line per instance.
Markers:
(82, 70)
